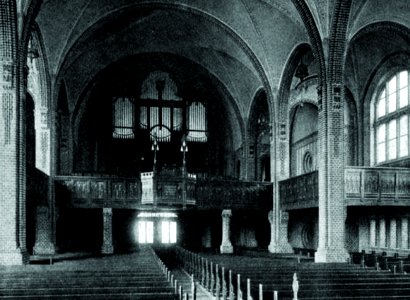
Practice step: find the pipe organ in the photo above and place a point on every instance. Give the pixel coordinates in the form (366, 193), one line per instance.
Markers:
(197, 122)
(161, 111)
(123, 118)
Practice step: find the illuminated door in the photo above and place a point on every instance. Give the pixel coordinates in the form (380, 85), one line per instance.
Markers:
(145, 232)
(169, 232)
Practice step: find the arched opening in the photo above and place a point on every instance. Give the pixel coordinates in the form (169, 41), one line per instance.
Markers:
(195, 112)
(259, 139)
(304, 139)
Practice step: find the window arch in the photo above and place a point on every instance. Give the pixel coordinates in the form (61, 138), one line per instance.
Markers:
(391, 125)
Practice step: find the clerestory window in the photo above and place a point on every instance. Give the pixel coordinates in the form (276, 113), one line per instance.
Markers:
(391, 124)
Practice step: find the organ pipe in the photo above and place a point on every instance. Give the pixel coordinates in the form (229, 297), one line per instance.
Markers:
(123, 118)
(197, 122)
(160, 118)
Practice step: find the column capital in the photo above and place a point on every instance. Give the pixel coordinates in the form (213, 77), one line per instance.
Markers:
(226, 213)
(107, 211)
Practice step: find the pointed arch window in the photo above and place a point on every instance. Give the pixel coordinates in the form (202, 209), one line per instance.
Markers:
(161, 108)
(392, 119)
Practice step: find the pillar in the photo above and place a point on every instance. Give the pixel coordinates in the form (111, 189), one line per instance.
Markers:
(107, 246)
(372, 232)
(331, 101)
(226, 246)
(279, 233)
(12, 144)
(404, 233)
(393, 233)
(332, 208)
(43, 244)
(382, 233)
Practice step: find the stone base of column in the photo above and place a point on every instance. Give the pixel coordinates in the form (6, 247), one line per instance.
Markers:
(43, 244)
(281, 247)
(44, 248)
(107, 249)
(330, 255)
(14, 258)
(226, 248)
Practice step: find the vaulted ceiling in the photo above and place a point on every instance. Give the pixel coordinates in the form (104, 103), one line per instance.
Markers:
(242, 43)
(245, 44)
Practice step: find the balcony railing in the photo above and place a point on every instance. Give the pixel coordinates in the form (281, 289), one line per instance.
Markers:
(377, 186)
(160, 190)
(91, 191)
(233, 194)
(299, 192)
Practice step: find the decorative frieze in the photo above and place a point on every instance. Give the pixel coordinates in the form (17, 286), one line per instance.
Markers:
(93, 191)
(381, 186)
(299, 192)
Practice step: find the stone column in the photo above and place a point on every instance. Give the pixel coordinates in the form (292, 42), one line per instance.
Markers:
(372, 232)
(43, 244)
(382, 233)
(12, 142)
(331, 101)
(107, 247)
(332, 208)
(404, 233)
(393, 233)
(279, 233)
(226, 246)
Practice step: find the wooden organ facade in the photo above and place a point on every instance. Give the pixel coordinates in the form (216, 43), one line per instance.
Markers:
(160, 111)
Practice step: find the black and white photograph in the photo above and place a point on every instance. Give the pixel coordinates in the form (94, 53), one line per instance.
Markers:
(205, 149)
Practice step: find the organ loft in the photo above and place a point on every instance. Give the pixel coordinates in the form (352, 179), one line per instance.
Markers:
(276, 127)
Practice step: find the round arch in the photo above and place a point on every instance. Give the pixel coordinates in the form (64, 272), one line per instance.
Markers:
(258, 138)
(392, 61)
(189, 10)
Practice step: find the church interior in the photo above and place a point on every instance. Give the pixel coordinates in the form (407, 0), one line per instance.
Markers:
(270, 127)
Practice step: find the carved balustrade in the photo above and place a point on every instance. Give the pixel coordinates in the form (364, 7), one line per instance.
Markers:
(377, 186)
(101, 191)
(299, 192)
(160, 190)
(233, 194)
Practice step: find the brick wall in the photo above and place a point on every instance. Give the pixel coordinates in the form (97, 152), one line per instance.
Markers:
(12, 189)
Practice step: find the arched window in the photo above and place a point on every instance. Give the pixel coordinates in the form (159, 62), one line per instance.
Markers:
(161, 108)
(392, 119)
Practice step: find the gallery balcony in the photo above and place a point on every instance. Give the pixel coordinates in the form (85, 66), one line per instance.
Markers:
(299, 192)
(365, 186)
(167, 191)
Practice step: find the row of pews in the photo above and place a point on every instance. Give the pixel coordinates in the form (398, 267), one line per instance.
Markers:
(395, 263)
(276, 278)
(127, 276)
